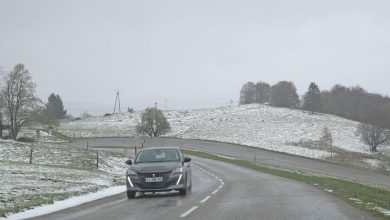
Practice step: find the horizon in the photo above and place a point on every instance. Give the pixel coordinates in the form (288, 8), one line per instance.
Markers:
(193, 54)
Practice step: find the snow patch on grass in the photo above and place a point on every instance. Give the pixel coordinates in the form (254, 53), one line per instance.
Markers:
(58, 171)
(67, 203)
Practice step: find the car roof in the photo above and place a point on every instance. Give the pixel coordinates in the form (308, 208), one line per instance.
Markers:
(162, 147)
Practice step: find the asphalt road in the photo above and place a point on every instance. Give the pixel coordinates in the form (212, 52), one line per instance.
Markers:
(221, 191)
(252, 154)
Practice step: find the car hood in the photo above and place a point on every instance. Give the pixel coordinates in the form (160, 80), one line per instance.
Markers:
(155, 167)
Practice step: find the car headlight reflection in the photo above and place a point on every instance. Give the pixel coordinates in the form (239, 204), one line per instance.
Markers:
(131, 173)
(178, 170)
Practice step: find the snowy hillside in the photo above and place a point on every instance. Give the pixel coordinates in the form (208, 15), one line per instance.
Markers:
(254, 125)
(58, 171)
(266, 127)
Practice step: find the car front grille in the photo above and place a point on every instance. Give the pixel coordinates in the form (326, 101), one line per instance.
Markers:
(164, 175)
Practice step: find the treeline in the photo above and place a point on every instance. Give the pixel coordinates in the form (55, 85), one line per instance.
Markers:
(349, 102)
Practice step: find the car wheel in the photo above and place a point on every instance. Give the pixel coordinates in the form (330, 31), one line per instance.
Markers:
(183, 192)
(131, 194)
(186, 190)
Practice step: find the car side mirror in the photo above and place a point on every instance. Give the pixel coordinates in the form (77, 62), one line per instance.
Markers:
(186, 160)
(129, 162)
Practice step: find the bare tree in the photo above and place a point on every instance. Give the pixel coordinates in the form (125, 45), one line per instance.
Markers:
(351, 102)
(45, 117)
(19, 94)
(284, 94)
(375, 130)
(248, 93)
(262, 92)
(373, 135)
(153, 122)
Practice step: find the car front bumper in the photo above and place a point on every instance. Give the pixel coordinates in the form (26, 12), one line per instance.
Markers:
(134, 183)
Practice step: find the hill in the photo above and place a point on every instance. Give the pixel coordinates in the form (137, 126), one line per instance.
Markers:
(280, 129)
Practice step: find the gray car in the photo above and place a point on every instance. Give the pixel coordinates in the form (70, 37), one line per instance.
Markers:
(159, 169)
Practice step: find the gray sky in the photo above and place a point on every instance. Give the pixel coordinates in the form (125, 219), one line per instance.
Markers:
(194, 53)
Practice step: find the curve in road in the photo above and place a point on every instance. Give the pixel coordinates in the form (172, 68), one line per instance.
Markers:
(252, 154)
(222, 191)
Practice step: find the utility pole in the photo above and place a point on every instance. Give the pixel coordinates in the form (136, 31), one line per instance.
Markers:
(154, 118)
(117, 100)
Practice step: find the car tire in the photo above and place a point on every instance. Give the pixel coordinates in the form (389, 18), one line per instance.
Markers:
(131, 194)
(183, 192)
(186, 190)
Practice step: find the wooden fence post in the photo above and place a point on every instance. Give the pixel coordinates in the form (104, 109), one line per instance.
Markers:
(31, 154)
(97, 160)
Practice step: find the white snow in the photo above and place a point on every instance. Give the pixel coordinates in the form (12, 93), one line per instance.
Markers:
(67, 203)
(253, 125)
(356, 200)
(58, 171)
(372, 205)
(382, 210)
(372, 162)
(231, 158)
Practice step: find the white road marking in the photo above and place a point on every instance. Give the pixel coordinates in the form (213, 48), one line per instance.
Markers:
(188, 212)
(205, 199)
(216, 177)
(215, 191)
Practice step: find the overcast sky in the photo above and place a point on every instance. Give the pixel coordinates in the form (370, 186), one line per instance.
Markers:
(193, 53)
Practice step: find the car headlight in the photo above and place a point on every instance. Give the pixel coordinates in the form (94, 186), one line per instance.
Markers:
(178, 170)
(131, 173)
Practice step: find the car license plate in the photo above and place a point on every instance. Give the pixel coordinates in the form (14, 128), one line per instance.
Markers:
(153, 179)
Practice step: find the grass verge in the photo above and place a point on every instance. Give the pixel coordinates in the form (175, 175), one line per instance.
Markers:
(371, 199)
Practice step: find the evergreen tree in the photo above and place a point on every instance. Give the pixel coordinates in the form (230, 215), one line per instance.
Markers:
(56, 106)
(312, 98)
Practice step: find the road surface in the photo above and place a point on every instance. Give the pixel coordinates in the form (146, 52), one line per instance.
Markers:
(221, 191)
(261, 156)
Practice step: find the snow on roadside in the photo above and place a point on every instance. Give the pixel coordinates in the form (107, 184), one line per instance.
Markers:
(58, 171)
(67, 203)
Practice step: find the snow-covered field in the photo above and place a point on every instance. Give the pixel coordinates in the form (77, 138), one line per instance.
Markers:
(253, 125)
(58, 171)
(112, 126)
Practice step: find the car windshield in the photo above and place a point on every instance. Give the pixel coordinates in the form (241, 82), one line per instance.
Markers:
(158, 155)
